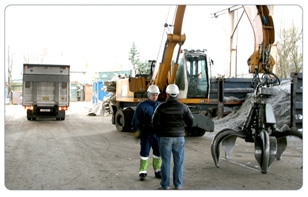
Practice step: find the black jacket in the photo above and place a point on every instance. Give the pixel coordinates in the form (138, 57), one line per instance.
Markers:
(171, 117)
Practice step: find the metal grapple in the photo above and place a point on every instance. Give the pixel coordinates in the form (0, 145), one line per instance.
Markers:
(259, 128)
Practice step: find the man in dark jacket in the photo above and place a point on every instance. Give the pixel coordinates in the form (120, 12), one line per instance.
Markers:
(169, 120)
(148, 138)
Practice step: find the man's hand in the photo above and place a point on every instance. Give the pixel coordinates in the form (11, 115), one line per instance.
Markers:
(137, 134)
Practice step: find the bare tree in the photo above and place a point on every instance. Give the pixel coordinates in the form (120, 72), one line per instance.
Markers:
(37, 57)
(10, 56)
(289, 49)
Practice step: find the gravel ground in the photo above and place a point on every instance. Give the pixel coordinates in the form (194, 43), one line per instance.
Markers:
(87, 153)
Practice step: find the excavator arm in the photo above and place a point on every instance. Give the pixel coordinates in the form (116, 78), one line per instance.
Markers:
(162, 79)
(264, 34)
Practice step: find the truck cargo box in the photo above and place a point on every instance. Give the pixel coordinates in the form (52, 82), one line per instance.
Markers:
(46, 90)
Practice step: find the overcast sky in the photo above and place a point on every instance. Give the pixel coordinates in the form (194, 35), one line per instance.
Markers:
(101, 36)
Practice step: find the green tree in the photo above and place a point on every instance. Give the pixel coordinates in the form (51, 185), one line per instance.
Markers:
(289, 50)
(140, 67)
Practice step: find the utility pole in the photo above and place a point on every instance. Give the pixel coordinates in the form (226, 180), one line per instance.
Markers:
(232, 12)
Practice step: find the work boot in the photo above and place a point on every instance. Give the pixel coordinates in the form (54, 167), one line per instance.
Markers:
(142, 176)
(157, 165)
(144, 164)
(158, 175)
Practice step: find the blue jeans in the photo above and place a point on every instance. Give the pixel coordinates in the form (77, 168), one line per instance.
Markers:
(174, 145)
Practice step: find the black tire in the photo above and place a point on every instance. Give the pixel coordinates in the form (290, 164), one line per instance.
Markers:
(123, 119)
(29, 114)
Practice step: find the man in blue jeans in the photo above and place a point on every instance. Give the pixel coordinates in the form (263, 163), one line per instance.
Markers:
(169, 120)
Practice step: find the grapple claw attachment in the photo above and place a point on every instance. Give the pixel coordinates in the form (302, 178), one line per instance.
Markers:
(281, 147)
(228, 145)
(273, 150)
(227, 137)
(282, 140)
(265, 150)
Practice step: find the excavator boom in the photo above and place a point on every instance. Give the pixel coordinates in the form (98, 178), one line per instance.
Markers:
(172, 40)
(264, 34)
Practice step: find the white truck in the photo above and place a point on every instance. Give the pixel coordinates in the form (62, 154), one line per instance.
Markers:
(46, 90)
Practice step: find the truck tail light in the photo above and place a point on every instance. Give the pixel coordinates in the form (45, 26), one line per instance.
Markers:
(63, 108)
(28, 107)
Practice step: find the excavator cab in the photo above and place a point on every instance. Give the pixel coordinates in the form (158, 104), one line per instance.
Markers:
(193, 67)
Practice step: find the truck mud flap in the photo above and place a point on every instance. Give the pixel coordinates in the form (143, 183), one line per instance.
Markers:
(60, 115)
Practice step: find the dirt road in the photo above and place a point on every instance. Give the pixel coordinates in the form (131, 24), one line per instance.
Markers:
(87, 153)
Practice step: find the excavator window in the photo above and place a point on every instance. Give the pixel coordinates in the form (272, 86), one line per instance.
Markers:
(198, 76)
(180, 75)
(194, 69)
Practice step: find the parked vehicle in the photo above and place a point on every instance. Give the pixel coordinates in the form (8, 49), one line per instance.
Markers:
(46, 90)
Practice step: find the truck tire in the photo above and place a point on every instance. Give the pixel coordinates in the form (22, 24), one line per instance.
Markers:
(123, 119)
(30, 115)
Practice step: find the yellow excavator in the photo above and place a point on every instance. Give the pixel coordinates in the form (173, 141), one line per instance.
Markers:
(189, 71)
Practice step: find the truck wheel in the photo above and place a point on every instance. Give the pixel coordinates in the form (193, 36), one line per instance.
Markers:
(29, 114)
(123, 119)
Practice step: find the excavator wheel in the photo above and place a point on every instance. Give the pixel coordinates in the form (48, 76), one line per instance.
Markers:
(123, 119)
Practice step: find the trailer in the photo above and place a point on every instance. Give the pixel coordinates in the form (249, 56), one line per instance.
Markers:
(46, 90)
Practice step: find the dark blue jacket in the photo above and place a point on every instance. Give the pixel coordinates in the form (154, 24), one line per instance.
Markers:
(143, 116)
